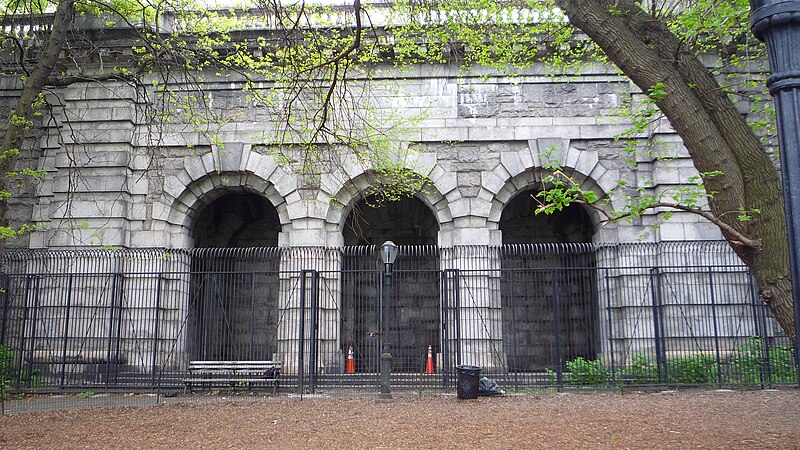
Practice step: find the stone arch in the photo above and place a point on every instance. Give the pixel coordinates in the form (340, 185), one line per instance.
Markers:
(198, 194)
(528, 314)
(416, 322)
(355, 190)
(219, 324)
(525, 172)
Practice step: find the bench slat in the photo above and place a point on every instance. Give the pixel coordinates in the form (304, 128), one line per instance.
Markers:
(229, 373)
(228, 380)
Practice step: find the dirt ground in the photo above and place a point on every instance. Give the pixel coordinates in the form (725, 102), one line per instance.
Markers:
(705, 419)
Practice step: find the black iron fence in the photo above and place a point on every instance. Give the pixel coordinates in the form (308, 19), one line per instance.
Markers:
(533, 316)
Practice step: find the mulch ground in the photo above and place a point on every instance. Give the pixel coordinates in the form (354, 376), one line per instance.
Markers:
(705, 419)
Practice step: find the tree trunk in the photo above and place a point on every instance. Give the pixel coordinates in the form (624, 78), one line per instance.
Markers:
(715, 134)
(23, 114)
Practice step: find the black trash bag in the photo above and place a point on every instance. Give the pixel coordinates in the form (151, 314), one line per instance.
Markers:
(488, 387)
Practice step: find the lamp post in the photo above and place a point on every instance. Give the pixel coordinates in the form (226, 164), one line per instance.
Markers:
(388, 255)
(777, 23)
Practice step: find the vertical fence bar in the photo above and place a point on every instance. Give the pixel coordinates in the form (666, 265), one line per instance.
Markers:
(514, 339)
(754, 303)
(314, 347)
(110, 340)
(766, 371)
(557, 328)
(301, 332)
(251, 322)
(118, 338)
(610, 326)
(156, 331)
(26, 312)
(457, 288)
(3, 366)
(4, 297)
(205, 314)
(759, 327)
(445, 359)
(655, 286)
(66, 333)
(34, 323)
(716, 326)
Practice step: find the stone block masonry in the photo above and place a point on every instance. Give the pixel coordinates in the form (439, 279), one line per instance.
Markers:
(113, 179)
(481, 143)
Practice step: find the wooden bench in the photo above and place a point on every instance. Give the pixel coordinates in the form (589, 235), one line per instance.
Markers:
(233, 374)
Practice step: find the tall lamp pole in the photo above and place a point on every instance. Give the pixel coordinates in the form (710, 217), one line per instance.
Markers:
(388, 255)
(777, 23)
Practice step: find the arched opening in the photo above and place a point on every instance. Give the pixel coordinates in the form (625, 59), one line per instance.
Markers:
(234, 303)
(405, 222)
(548, 290)
(414, 312)
(240, 219)
(520, 224)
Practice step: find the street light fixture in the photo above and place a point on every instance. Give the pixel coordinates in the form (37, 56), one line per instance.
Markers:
(388, 255)
(777, 23)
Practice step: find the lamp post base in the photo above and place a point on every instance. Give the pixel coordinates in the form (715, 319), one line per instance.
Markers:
(386, 369)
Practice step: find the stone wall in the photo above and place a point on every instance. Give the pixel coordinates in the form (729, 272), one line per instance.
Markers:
(479, 141)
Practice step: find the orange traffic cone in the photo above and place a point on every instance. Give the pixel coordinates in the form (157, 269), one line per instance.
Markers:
(429, 365)
(351, 364)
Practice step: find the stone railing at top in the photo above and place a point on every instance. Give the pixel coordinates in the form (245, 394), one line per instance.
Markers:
(377, 14)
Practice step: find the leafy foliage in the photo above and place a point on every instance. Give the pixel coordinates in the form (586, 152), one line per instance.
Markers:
(6, 369)
(583, 372)
(13, 376)
(753, 364)
(317, 73)
(693, 369)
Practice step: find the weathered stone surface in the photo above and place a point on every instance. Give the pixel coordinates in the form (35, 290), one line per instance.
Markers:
(480, 140)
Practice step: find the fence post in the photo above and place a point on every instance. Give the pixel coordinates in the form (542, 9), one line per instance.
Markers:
(34, 320)
(26, 312)
(610, 327)
(6, 301)
(66, 333)
(118, 337)
(557, 329)
(3, 366)
(301, 332)
(760, 323)
(446, 355)
(314, 344)
(716, 326)
(457, 285)
(156, 331)
(115, 285)
(513, 330)
(252, 316)
(655, 286)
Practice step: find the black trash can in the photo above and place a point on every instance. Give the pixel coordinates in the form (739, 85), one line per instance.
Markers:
(468, 381)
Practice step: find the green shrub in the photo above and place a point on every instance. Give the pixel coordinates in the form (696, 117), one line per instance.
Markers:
(781, 365)
(11, 375)
(6, 369)
(641, 370)
(750, 365)
(581, 371)
(85, 394)
(694, 369)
